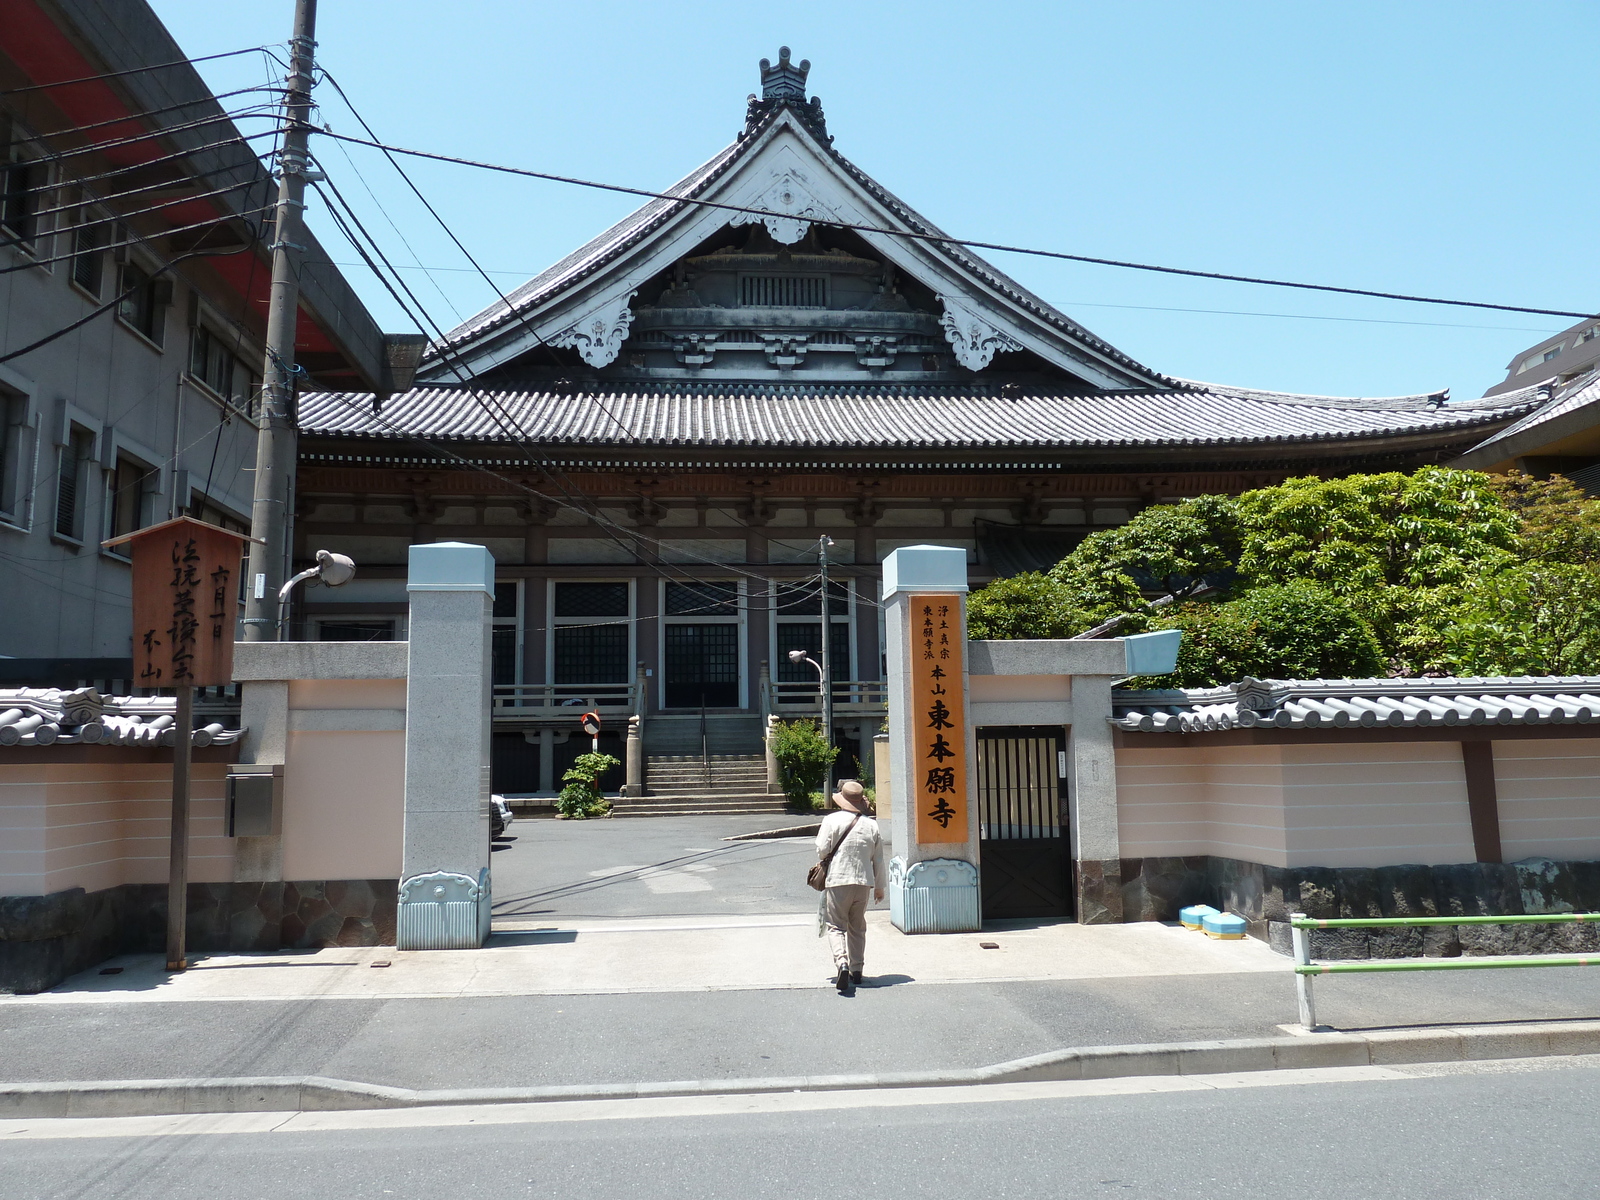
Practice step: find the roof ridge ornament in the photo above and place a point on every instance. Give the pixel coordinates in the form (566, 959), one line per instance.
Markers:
(784, 85)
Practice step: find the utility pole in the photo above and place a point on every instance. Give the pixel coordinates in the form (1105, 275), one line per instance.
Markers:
(823, 543)
(275, 442)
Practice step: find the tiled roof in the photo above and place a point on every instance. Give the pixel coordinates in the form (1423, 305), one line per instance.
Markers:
(635, 227)
(1361, 703)
(846, 416)
(83, 717)
(1562, 399)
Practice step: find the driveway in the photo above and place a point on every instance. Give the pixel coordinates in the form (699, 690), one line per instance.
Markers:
(650, 867)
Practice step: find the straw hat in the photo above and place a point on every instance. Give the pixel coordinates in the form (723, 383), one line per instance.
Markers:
(852, 797)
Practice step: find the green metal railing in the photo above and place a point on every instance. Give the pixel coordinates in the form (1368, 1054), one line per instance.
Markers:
(1300, 926)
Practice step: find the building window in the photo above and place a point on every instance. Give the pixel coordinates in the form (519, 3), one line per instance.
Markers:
(1588, 335)
(213, 362)
(367, 629)
(72, 473)
(88, 258)
(13, 414)
(1541, 357)
(591, 634)
(131, 485)
(700, 644)
(797, 625)
(505, 649)
(21, 184)
(144, 301)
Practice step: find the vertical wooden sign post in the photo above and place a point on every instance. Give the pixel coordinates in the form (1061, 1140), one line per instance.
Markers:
(185, 607)
(933, 877)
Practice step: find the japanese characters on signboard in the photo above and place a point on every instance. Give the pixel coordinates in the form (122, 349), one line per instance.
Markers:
(939, 719)
(185, 603)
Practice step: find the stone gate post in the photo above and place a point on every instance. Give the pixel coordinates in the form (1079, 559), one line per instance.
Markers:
(444, 877)
(933, 877)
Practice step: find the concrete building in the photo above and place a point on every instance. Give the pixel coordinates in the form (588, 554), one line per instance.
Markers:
(1558, 359)
(133, 282)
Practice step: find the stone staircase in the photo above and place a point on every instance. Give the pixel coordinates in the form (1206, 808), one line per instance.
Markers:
(676, 785)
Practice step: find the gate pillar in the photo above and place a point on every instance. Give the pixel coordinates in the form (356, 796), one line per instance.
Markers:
(933, 880)
(444, 875)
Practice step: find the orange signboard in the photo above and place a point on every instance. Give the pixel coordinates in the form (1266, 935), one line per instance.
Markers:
(938, 718)
(185, 602)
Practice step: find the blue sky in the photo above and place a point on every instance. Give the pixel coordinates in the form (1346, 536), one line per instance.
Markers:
(1433, 148)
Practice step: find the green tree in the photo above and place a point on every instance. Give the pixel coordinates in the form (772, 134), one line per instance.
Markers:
(1170, 548)
(1556, 519)
(1296, 630)
(1030, 605)
(1534, 619)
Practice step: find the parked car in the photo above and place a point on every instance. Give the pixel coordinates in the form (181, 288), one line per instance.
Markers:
(500, 817)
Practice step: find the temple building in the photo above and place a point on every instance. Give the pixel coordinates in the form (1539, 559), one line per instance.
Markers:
(657, 437)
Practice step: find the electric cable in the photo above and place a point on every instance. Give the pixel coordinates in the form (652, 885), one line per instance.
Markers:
(946, 240)
(117, 217)
(132, 241)
(134, 116)
(236, 139)
(180, 62)
(168, 131)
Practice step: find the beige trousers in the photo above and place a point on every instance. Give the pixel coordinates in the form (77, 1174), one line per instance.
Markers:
(846, 918)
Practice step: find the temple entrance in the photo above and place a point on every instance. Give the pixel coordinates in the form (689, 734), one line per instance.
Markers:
(1026, 856)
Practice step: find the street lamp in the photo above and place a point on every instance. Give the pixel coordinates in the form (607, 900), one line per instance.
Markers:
(332, 570)
(800, 656)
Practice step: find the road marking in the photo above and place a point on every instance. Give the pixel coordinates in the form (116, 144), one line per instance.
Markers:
(563, 1111)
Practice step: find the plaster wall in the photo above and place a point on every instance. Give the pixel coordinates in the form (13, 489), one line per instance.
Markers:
(100, 824)
(1348, 805)
(344, 779)
(1549, 798)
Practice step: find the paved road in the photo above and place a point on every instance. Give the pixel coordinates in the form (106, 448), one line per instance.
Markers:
(1356, 1133)
(532, 1040)
(650, 866)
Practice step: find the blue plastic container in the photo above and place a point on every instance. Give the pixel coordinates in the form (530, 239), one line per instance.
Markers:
(1194, 916)
(1224, 926)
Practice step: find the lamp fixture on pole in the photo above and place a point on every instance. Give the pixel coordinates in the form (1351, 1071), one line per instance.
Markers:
(332, 570)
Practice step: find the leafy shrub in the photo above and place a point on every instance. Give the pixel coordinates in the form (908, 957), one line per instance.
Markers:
(1293, 631)
(580, 799)
(1030, 605)
(804, 757)
(1536, 619)
(1556, 520)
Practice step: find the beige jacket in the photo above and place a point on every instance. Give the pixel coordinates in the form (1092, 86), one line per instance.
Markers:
(859, 859)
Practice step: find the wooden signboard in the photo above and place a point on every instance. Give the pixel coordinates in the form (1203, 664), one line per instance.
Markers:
(938, 718)
(185, 602)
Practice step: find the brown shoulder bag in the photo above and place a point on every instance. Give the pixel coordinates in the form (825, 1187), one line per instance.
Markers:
(817, 876)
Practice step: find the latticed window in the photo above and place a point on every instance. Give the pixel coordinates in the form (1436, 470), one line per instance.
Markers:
(591, 600)
(703, 599)
(591, 653)
(805, 599)
(807, 636)
(702, 664)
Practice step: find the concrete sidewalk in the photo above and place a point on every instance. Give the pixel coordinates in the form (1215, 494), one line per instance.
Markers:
(596, 956)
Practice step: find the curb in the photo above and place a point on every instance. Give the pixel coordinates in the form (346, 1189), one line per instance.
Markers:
(792, 831)
(157, 1097)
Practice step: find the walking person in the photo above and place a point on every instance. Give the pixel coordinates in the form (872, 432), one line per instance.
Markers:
(851, 846)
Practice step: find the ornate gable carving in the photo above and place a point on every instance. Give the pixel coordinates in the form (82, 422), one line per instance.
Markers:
(973, 338)
(786, 195)
(599, 334)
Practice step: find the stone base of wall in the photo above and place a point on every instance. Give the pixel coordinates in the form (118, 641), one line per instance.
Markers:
(44, 939)
(1154, 889)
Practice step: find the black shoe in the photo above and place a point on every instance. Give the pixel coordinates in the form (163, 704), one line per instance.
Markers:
(843, 981)
(855, 978)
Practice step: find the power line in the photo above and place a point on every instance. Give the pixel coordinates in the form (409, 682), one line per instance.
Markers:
(236, 139)
(135, 116)
(116, 217)
(946, 240)
(167, 131)
(133, 241)
(180, 62)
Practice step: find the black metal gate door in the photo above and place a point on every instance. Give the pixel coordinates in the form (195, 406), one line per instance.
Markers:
(1025, 856)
